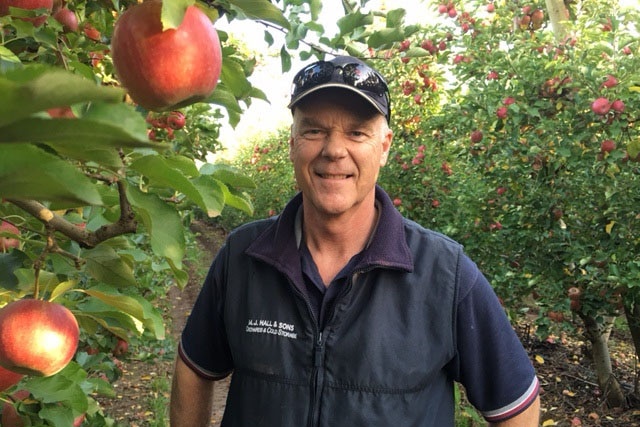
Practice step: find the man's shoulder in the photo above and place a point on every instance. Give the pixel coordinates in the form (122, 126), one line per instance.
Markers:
(251, 230)
(424, 235)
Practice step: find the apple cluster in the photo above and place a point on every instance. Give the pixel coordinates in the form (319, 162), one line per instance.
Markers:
(163, 125)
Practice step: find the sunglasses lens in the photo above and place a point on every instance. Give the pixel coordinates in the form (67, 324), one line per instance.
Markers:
(314, 74)
(363, 77)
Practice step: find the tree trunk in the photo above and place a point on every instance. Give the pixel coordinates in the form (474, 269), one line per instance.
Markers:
(558, 14)
(598, 334)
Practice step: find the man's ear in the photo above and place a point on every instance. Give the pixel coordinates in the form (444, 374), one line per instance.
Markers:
(386, 146)
(291, 142)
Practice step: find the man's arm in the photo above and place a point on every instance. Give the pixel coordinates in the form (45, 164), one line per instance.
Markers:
(530, 417)
(191, 398)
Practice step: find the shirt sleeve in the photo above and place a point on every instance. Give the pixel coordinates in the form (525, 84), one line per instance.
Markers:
(203, 344)
(491, 362)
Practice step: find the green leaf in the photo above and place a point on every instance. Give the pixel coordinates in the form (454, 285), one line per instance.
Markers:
(105, 265)
(37, 88)
(395, 18)
(160, 171)
(62, 288)
(28, 172)
(233, 76)
(349, 23)
(261, 10)
(228, 175)
(212, 193)
(163, 224)
(385, 37)
(137, 307)
(225, 98)
(173, 13)
(238, 200)
(9, 263)
(634, 148)
(8, 60)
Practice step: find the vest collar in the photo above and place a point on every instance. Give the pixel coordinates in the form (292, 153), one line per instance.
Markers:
(388, 248)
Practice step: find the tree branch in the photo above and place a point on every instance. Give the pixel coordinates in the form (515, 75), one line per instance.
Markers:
(87, 239)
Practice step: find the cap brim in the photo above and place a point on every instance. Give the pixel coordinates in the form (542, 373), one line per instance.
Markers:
(359, 92)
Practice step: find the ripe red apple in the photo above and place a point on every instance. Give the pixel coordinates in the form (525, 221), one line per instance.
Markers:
(610, 82)
(8, 378)
(30, 5)
(166, 69)
(7, 243)
(607, 146)
(61, 113)
(502, 112)
(67, 18)
(618, 106)
(476, 136)
(37, 337)
(491, 8)
(121, 347)
(176, 120)
(601, 106)
(537, 17)
(10, 417)
(91, 32)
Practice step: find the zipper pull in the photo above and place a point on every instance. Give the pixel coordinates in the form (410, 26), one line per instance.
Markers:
(318, 357)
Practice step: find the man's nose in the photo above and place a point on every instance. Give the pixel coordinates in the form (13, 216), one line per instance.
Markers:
(334, 145)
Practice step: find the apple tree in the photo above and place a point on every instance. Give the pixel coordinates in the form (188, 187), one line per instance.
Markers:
(524, 145)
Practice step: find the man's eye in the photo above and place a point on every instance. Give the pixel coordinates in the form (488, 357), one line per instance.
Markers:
(312, 133)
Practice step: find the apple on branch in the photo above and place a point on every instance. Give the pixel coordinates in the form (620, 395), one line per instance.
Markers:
(7, 243)
(37, 337)
(8, 378)
(166, 69)
(29, 5)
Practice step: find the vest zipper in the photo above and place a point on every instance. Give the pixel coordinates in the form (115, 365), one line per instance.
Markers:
(318, 379)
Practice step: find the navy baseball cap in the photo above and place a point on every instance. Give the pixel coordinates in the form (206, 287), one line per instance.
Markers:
(344, 72)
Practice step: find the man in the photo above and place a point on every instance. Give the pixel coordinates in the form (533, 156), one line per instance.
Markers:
(340, 312)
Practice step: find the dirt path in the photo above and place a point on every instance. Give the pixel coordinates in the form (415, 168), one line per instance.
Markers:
(142, 380)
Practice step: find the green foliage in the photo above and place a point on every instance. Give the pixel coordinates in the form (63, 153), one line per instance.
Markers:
(265, 160)
(534, 198)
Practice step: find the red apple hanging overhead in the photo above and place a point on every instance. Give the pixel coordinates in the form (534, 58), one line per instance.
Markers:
(27, 4)
(37, 337)
(168, 69)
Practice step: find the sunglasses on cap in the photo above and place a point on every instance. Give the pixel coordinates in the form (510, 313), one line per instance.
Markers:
(367, 82)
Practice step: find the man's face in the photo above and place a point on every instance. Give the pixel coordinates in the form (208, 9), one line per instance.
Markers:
(337, 147)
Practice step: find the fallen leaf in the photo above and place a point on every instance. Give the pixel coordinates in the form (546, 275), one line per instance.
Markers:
(539, 359)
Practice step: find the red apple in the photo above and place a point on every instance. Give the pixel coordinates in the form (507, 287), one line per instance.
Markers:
(502, 112)
(166, 69)
(601, 106)
(176, 120)
(61, 112)
(30, 5)
(67, 18)
(7, 243)
(491, 8)
(607, 146)
(618, 106)
(10, 417)
(8, 378)
(121, 347)
(37, 337)
(610, 82)
(476, 136)
(91, 32)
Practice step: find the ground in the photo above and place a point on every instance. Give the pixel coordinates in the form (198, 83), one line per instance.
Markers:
(570, 395)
